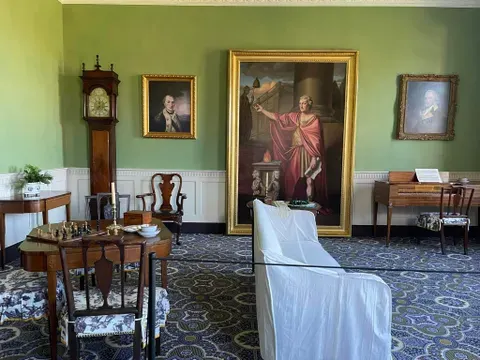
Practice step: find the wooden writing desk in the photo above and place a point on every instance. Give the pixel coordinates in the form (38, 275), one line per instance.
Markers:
(18, 205)
(402, 190)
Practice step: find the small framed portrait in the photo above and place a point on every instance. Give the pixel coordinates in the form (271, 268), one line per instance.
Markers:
(427, 107)
(169, 106)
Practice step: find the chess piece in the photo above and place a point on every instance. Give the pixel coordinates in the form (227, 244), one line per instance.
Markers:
(274, 187)
(108, 232)
(257, 184)
(64, 236)
(57, 233)
(49, 227)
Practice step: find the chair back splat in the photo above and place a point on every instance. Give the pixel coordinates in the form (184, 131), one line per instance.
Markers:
(99, 206)
(166, 187)
(104, 270)
(457, 195)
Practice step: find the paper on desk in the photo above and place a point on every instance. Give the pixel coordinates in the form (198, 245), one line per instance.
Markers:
(428, 175)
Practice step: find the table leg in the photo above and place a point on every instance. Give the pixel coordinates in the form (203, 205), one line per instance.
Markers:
(45, 217)
(253, 244)
(146, 272)
(3, 254)
(52, 311)
(67, 210)
(389, 223)
(164, 273)
(375, 215)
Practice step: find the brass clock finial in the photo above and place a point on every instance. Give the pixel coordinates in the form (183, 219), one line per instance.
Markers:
(97, 65)
(83, 66)
(111, 67)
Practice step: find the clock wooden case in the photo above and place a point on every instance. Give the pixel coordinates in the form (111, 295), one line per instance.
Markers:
(100, 91)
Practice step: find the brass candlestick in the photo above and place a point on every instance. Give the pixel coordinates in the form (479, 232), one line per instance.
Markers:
(115, 227)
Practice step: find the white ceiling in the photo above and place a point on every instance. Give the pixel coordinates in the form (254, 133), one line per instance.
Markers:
(398, 3)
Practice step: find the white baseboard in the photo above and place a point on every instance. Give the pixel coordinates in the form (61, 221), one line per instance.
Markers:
(206, 197)
(17, 226)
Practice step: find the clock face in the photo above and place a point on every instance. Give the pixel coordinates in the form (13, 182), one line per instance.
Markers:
(98, 103)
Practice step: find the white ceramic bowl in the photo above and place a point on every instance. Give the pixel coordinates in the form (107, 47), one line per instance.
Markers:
(149, 234)
(149, 228)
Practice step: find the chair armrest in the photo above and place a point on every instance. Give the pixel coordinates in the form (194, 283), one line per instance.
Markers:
(182, 197)
(143, 196)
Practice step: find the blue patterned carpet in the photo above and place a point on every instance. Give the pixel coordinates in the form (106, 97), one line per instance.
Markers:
(435, 316)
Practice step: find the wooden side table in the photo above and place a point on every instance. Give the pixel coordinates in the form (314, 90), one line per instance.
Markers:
(18, 205)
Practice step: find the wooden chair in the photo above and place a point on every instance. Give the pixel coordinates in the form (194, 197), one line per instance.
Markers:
(455, 214)
(166, 212)
(102, 199)
(107, 207)
(107, 310)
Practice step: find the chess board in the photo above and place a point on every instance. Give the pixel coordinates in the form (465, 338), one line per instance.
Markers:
(55, 233)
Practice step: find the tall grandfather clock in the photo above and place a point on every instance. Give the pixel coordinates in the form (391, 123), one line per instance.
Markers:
(100, 91)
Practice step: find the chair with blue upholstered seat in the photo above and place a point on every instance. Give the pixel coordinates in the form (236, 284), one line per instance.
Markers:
(108, 309)
(23, 295)
(455, 213)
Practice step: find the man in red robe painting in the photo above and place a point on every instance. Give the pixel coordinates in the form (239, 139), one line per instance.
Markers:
(298, 142)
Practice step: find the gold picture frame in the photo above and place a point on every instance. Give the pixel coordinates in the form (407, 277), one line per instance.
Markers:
(169, 106)
(275, 80)
(427, 107)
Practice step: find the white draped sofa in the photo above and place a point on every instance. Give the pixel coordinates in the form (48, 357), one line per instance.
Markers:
(313, 313)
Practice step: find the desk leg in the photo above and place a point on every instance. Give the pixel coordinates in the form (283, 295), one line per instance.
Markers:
(52, 311)
(45, 217)
(164, 273)
(3, 254)
(67, 209)
(389, 222)
(375, 215)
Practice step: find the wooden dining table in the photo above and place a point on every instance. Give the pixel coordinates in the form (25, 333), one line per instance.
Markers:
(39, 256)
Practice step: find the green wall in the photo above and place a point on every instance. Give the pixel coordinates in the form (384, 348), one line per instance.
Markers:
(31, 39)
(195, 40)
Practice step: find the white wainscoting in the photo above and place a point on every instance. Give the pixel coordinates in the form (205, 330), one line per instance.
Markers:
(206, 197)
(205, 190)
(206, 194)
(19, 225)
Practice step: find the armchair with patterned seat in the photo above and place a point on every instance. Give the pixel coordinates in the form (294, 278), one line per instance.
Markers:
(455, 214)
(114, 307)
(165, 189)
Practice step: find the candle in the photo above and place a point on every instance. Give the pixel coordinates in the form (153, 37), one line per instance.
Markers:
(113, 193)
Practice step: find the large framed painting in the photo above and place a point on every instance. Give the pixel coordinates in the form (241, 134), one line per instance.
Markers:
(291, 135)
(169, 106)
(427, 108)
